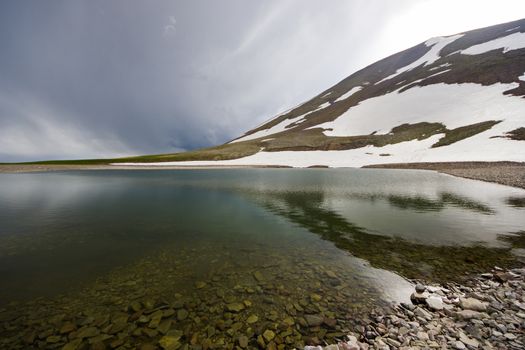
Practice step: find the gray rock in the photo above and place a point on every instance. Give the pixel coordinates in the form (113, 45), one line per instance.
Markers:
(408, 306)
(420, 288)
(470, 314)
(422, 335)
(393, 342)
(423, 313)
(331, 347)
(472, 304)
(459, 345)
(435, 302)
(509, 336)
(352, 343)
(419, 298)
(468, 341)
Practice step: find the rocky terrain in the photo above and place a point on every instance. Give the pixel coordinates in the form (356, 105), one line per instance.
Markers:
(486, 313)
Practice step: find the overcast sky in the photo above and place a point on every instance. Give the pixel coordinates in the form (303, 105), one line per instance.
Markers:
(109, 78)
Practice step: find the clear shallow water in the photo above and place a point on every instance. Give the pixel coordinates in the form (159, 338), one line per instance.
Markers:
(79, 245)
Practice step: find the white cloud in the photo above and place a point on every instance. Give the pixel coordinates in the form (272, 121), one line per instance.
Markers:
(170, 29)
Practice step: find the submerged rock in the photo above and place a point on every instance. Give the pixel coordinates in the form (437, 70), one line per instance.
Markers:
(169, 342)
(200, 285)
(235, 307)
(67, 328)
(87, 332)
(258, 276)
(182, 314)
(243, 341)
(268, 335)
(313, 320)
(252, 319)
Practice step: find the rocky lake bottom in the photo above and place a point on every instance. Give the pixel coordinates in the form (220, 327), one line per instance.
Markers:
(285, 301)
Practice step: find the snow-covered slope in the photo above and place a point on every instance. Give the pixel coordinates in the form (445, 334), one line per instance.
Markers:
(454, 98)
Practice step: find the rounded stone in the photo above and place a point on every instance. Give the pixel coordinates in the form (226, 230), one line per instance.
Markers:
(268, 335)
(182, 314)
(252, 319)
(243, 341)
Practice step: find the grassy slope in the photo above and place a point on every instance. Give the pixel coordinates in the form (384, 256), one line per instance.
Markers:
(227, 151)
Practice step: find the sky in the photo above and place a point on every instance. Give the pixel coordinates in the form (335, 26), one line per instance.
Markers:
(97, 78)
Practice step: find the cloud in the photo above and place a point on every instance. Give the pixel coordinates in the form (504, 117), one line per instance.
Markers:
(34, 131)
(170, 29)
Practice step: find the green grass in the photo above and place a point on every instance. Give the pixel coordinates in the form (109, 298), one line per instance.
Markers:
(223, 152)
(464, 132)
(314, 139)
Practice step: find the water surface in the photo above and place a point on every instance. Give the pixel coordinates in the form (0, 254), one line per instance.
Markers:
(229, 244)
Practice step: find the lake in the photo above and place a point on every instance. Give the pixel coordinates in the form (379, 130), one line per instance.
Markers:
(124, 257)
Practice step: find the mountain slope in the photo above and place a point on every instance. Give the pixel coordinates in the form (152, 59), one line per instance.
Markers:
(455, 98)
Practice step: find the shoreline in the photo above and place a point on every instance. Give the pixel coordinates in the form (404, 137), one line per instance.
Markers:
(485, 312)
(36, 168)
(503, 173)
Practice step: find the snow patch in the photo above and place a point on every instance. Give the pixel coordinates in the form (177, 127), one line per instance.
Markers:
(508, 43)
(511, 29)
(522, 78)
(349, 93)
(441, 66)
(438, 73)
(454, 105)
(412, 83)
(327, 94)
(324, 105)
(401, 87)
(436, 44)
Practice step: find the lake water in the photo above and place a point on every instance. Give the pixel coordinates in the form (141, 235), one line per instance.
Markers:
(209, 256)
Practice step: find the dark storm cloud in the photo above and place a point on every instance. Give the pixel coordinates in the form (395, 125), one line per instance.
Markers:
(107, 78)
